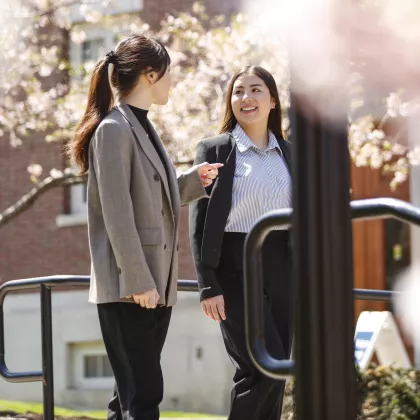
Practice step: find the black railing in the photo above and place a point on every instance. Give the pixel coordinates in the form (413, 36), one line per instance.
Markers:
(46, 284)
(361, 209)
(46, 375)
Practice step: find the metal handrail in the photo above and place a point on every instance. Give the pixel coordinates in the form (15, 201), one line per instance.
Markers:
(254, 323)
(45, 284)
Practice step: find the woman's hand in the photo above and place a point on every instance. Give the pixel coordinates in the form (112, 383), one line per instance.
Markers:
(208, 172)
(148, 299)
(214, 308)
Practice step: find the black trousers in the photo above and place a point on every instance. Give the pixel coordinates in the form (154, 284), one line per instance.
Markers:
(134, 338)
(254, 395)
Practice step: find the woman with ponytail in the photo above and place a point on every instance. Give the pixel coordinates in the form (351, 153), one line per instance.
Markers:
(134, 200)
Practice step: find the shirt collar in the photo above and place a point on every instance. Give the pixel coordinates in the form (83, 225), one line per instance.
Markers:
(243, 142)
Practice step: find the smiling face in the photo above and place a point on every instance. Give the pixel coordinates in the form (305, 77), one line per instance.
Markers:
(251, 100)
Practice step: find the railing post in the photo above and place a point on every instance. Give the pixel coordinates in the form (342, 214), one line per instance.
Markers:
(3, 368)
(47, 352)
(323, 275)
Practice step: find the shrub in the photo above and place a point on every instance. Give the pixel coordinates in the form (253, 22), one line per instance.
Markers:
(383, 393)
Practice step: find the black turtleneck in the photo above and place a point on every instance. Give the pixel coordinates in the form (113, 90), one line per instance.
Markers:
(141, 115)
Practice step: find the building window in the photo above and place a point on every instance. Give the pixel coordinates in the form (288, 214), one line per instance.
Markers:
(92, 49)
(76, 209)
(78, 197)
(88, 51)
(89, 366)
(106, 8)
(97, 366)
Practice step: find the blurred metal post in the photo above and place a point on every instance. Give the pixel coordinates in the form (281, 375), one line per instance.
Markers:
(323, 274)
(47, 352)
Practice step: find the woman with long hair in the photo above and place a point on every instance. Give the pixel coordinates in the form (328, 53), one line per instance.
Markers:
(254, 180)
(133, 199)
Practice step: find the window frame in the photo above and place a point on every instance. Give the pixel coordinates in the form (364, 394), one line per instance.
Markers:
(78, 379)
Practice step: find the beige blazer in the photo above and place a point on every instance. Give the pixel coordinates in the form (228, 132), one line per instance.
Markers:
(133, 211)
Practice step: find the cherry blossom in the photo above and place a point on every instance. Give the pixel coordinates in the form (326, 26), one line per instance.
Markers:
(41, 92)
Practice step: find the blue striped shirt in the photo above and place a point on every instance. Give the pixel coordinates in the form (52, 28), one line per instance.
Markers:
(262, 182)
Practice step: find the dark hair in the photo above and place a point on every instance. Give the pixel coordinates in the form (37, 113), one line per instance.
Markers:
(274, 118)
(134, 55)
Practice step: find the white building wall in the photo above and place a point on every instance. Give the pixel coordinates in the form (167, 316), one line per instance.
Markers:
(197, 371)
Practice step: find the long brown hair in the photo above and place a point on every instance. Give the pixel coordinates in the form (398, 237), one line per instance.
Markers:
(274, 118)
(134, 55)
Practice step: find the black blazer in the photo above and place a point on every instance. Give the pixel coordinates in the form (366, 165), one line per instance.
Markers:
(208, 217)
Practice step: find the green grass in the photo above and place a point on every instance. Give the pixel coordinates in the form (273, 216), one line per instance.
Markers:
(23, 407)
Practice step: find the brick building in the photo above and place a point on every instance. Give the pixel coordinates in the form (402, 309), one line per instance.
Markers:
(51, 237)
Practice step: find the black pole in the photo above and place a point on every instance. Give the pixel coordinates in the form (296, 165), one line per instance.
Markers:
(322, 263)
(47, 352)
(3, 368)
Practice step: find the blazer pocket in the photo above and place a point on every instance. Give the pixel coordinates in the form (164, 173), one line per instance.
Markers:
(152, 236)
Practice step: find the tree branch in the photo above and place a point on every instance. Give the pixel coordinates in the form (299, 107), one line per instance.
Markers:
(52, 9)
(25, 202)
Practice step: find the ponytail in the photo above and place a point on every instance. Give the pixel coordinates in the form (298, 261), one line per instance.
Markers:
(100, 101)
(134, 56)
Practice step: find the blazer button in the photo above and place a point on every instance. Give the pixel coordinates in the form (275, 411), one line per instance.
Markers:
(156, 177)
(164, 246)
(163, 213)
(119, 270)
(177, 247)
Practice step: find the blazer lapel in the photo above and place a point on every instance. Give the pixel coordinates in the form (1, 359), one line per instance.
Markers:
(227, 156)
(285, 148)
(220, 203)
(173, 183)
(147, 146)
